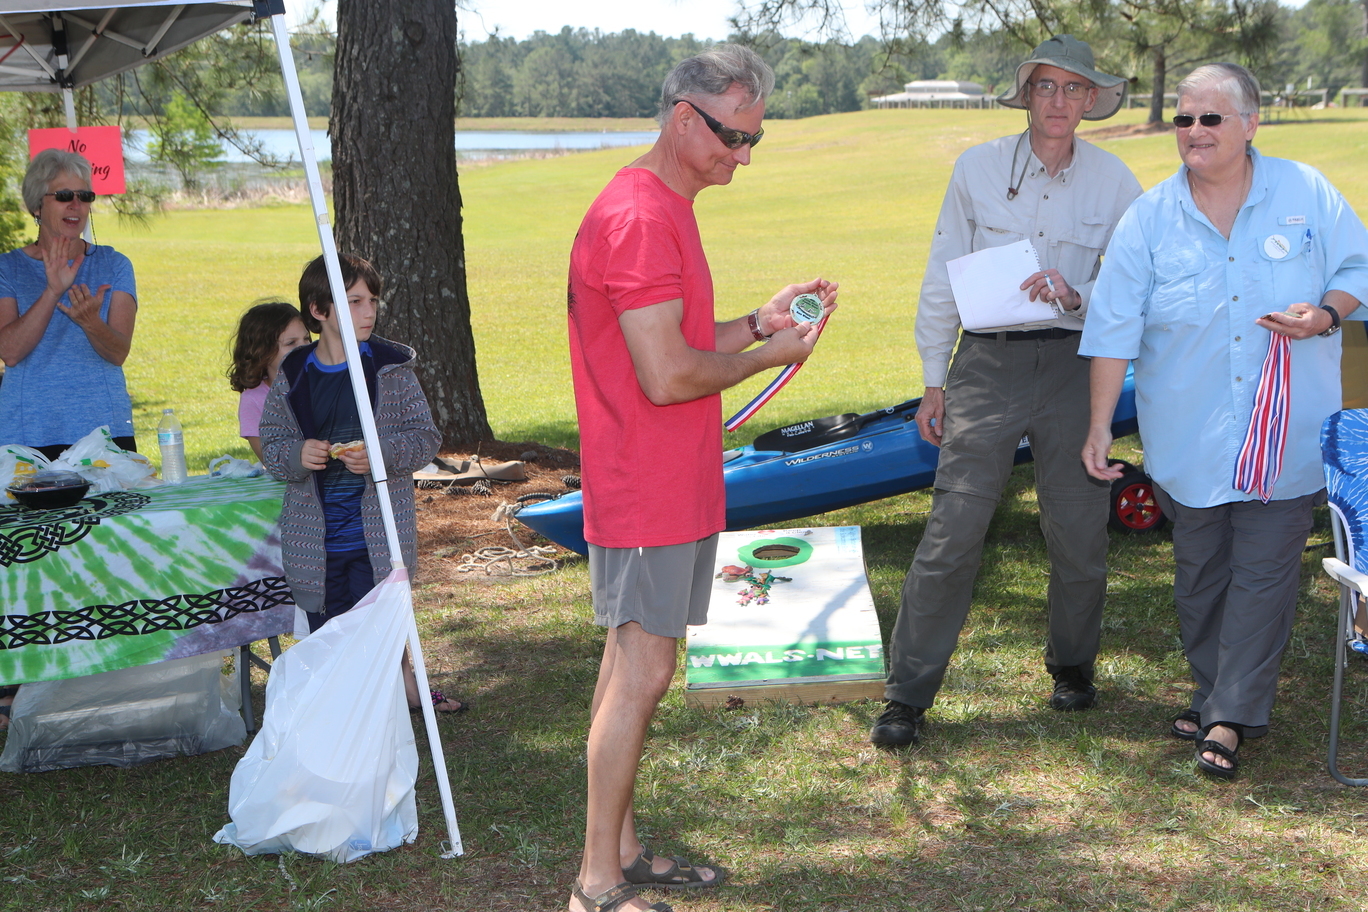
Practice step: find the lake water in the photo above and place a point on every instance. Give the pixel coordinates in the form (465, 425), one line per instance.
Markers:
(469, 143)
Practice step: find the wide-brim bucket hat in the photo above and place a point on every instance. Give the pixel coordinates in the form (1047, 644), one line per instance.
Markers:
(1068, 53)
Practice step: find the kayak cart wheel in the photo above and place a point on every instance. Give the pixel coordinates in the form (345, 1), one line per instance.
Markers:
(1133, 505)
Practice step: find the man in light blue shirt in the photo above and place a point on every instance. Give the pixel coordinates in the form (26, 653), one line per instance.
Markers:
(1200, 271)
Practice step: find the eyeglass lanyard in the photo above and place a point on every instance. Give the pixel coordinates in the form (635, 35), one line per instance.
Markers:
(1011, 190)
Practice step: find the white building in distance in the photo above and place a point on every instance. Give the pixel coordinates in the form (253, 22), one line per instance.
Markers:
(937, 93)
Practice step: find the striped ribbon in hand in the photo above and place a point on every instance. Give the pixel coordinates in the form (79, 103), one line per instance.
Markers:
(1260, 460)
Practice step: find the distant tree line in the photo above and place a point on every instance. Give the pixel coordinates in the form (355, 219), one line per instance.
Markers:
(1152, 42)
(583, 73)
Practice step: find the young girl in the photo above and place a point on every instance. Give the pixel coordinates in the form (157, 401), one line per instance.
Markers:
(265, 335)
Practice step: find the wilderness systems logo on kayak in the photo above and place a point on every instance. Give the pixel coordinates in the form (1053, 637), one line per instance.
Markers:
(830, 454)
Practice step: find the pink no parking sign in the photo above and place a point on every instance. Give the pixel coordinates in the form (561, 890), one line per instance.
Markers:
(102, 147)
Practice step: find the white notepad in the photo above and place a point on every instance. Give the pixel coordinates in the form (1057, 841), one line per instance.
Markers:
(987, 287)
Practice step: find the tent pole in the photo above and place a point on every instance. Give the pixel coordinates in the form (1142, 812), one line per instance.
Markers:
(368, 430)
(69, 103)
(69, 106)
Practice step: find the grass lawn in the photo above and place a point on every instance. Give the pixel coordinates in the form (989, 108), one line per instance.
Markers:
(1007, 805)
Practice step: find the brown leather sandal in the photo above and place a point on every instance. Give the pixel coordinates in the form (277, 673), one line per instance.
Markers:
(679, 876)
(612, 898)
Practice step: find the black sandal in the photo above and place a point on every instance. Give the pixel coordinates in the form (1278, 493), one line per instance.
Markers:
(679, 876)
(612, 898)
(1187, 715)
(1216, 747)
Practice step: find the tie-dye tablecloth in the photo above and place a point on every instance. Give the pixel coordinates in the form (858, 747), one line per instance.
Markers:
(136, 577)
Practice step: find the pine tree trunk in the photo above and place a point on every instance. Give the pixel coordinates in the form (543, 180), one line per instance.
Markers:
(395, 192)
(1159, 77)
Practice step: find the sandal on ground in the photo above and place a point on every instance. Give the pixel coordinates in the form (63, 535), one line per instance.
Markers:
(613, 898)
(438, 698)
(1226, 753)
(679, 876)
(1187, 715)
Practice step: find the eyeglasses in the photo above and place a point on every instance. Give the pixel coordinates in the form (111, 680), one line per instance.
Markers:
(66, 196)
(1183, 121)
(1073, 91)
(732, 139)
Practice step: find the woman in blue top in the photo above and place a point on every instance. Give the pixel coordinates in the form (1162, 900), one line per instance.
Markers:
(1201, 272)
(63, 344)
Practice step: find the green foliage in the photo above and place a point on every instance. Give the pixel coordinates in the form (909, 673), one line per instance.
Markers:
(14, 221)
(184, 138)
(572, 73)
(812, 79)
(1152, 42)
(233, 66)
(1324, 43)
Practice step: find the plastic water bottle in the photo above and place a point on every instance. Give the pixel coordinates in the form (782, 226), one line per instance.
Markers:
(171, 439)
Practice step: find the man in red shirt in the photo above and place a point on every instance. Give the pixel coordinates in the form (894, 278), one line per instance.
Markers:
(649, 364)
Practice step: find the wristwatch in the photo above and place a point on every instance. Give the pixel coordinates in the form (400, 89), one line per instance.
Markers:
(1334, 320)
(753, 324)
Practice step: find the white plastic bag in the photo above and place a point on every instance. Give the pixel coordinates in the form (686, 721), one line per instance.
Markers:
(17, 463)
(333, 769)
(101, 461)
(227, 466)
(122, 718)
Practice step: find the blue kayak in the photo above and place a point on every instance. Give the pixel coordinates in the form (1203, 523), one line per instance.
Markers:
(811, 467)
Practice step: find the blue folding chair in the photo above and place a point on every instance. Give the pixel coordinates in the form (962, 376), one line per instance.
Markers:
(1344, 452)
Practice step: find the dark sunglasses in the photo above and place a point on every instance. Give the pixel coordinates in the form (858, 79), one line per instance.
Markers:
(66, 196)
(732, 139)
(1183, 121)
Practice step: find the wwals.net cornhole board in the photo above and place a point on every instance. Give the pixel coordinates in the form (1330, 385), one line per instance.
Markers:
(790, 619)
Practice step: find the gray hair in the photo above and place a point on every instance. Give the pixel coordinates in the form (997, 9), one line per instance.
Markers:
(45, 168)
(1232, 80)
(715, 72)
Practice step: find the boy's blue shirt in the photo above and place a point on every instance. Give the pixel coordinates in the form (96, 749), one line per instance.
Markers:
(382, 355)
(339, 421)
(339, 490)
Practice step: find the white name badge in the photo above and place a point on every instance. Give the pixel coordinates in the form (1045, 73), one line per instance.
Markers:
(1277, 246)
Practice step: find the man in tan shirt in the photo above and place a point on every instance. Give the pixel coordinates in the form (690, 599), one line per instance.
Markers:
(1064, 195)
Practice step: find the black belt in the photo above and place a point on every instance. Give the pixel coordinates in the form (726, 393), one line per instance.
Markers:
(1054, 332)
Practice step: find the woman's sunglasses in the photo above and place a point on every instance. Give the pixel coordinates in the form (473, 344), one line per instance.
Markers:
(732, 139)
(66, 196)
(1183, 121)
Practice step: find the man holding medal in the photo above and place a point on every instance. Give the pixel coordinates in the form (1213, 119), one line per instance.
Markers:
(649, 363)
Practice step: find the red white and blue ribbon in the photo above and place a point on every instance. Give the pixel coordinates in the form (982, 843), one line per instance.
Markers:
(768, 393)
(1260, 459)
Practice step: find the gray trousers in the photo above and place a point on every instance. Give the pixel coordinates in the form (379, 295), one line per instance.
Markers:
(1237, 569)
(996, 392)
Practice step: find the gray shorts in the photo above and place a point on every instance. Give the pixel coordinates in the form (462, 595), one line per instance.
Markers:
(663, 589)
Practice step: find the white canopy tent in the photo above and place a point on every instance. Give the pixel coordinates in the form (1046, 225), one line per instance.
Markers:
(55, 45)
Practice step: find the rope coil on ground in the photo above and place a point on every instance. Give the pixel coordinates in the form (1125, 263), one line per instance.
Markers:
(517, 561)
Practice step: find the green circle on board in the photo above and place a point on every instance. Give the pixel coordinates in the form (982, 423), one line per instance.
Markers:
(778, 552)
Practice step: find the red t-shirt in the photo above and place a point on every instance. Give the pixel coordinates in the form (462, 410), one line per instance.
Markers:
(652, 474)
